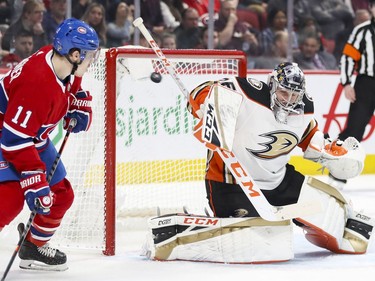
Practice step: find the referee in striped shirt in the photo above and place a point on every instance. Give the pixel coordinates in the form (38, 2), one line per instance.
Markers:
(359, 54)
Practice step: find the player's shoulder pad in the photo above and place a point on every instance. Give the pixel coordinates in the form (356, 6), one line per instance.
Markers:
(255, 90)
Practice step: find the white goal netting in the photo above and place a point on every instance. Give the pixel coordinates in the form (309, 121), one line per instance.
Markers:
(158, 164)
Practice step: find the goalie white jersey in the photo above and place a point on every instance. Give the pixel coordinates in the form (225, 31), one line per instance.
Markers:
(264, 145)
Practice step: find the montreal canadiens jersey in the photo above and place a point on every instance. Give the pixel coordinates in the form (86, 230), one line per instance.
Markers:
(32, 102)
(261, 144)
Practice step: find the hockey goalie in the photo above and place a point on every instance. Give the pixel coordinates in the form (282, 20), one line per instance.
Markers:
(260, 124)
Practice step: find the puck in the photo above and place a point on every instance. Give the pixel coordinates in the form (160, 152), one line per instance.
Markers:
(155, 77)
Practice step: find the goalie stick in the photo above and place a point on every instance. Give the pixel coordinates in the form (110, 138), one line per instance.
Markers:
(243, 178)
(72, 124)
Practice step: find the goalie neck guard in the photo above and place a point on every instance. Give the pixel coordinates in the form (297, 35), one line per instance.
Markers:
(287, 88)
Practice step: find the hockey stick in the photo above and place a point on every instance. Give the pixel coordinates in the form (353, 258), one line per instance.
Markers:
(72, 124)
(243, 178)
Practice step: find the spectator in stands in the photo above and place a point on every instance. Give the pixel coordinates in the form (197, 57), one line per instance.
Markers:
(331, 16)
(189, 33)
(151, 14)
(168, 41)
(79, 7)
(202, 6)
(235, 34)
(3, 28)
(361, 15)
(171, 15)
(106, 4)
(277, 21)
(3, 53)
(144, 43)
(176, 7)
(301, 9)
(95, 17)
(311, 56)
(17, 6)
(120, 29)
(5, 12)
(55, 15)
(277, 55)
(30, 20)
(355, 5)
(23, 47)
(308, 25)
(257, 7)
(216, 43)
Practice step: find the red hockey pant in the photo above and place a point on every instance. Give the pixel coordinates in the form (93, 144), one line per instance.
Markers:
(43, 227)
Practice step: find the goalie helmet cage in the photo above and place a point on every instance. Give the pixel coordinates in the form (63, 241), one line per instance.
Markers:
(101, 164)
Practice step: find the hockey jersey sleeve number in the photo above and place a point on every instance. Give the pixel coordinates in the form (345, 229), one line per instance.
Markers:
(24, 116)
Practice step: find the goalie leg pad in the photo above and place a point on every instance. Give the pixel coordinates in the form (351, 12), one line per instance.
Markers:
(226, 240)
(337, 227)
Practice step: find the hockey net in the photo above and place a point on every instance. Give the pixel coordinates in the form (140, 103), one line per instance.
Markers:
(139, 157)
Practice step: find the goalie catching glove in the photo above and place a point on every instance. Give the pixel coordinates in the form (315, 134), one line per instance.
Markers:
(80, 110)
(343, 159)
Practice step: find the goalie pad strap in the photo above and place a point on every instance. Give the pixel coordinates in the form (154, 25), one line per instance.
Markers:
(326, 188)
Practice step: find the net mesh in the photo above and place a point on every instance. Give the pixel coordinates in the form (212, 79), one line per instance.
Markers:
(159, 165)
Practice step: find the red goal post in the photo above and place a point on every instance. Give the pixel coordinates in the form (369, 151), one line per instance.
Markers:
(129, 112)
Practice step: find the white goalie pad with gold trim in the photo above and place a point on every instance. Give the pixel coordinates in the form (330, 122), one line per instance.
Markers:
(337, 227)
(226, 240)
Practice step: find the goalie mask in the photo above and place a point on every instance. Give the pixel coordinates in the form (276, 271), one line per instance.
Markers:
(287, 87)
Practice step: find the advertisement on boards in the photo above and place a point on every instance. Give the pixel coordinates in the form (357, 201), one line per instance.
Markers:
(153, 115)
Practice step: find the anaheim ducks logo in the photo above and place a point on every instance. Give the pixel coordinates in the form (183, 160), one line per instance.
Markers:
(281, 142)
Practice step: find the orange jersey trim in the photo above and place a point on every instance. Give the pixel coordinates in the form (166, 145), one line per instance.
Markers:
(307, 136)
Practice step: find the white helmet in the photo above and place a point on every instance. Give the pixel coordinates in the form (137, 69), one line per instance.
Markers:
(289, 77)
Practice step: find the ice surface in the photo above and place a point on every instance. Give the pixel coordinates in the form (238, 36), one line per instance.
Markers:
(310, 263)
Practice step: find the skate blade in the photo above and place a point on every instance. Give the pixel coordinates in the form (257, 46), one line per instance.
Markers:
(35, 265)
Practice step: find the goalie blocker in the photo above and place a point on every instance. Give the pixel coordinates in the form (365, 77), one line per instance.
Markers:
(336, 227)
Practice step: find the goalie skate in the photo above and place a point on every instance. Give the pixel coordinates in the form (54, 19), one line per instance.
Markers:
(40, 258)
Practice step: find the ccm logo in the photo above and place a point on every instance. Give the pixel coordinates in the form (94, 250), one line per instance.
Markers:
(209, 123)
(164, 222)
(201, 221)
(240, 173)
(159, 53)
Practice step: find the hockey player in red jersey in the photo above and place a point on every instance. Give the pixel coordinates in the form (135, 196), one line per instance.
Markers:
(272, 119)
(35, 96)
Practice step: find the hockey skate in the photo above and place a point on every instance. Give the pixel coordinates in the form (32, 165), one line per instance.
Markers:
(40, 258)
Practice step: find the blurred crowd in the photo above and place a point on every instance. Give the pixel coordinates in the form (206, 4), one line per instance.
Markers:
(259, 28)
